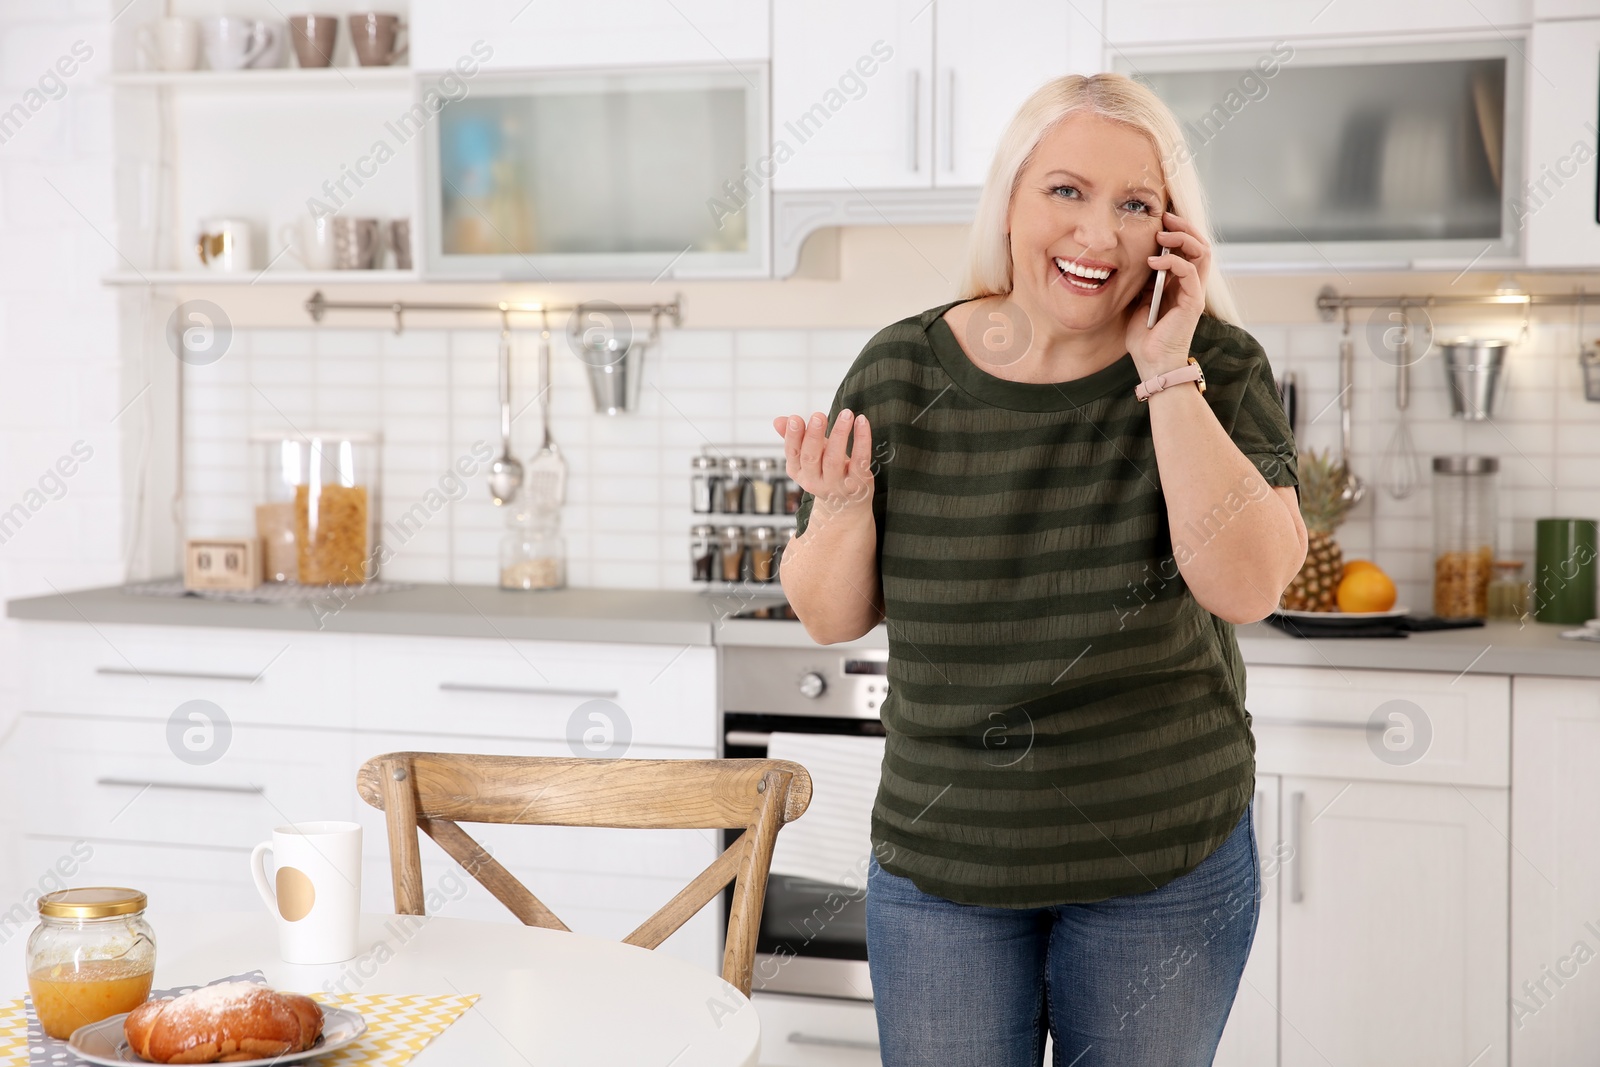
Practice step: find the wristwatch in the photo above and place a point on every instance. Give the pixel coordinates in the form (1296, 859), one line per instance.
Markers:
(1190, 373)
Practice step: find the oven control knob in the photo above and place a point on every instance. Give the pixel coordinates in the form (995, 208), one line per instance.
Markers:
(812, 685)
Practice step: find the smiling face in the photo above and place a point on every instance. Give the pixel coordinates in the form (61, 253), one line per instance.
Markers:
(1084, 216)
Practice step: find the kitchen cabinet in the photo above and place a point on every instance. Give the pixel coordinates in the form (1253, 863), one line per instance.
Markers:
(1393, 946)
(1558, 206)
(1555, 871)
(1182, 22)
(596, 33)
(1250, 1038)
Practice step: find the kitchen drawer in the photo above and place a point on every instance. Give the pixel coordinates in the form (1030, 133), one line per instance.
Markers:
(667, 695)
(1315, 721)
(175, 878)
(116, 779)
(815, 1032)
(252, 675)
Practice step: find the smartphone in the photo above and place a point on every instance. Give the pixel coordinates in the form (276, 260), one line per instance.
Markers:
(1155, 299)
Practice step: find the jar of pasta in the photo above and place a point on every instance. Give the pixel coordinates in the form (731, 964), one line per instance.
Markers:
(92, 956)
(1466, 517)
(335, 508)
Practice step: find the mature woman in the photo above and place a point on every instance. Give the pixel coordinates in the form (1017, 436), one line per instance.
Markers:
(1060, 511)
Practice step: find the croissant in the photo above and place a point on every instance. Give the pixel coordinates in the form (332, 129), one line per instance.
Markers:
(222, 1023)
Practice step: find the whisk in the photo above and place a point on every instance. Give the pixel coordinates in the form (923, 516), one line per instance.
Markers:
(1398, 470)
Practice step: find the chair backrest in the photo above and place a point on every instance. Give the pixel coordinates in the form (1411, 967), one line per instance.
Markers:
(435, 791)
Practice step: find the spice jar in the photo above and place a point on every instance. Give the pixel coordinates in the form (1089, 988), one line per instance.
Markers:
(703, 487)
(733, 483)
(1508, 590)
(1465, 518)
(763, 540)
(533, 554)
(792, 495)
(334, 517)
(731, 549)
(786, 537)
(764, 481)
(703, 552)
(92, 956)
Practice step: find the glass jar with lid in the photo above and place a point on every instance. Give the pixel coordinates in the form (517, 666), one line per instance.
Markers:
(765, 482)
(763, 541)
(533, 554)
(1508, 590)
(730, 551)
(1466, 515)
(704, 485)
(92, 956)
(733, 485)
(317, 495)
(703, 552)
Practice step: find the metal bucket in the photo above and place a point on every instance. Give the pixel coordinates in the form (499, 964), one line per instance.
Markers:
(615, 372)
(1472, 367)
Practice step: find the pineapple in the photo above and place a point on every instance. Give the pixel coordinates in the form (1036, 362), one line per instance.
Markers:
(1323, 506)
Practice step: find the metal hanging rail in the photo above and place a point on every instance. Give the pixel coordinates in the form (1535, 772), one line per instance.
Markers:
(319, 305)
(1330, 303)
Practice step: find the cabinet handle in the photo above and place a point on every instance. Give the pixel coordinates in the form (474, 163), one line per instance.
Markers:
(1297, 807)
(204, 676)
(915, 140)
(747, 738)
(950, 122)
(526, 690)
(1320, 724)
(142, 783)
(798, 1037)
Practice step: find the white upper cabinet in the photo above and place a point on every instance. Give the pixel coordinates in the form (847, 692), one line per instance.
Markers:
(517, 35)
(852, 94)
(1557, 205)
(990, 57)
(1182, 22)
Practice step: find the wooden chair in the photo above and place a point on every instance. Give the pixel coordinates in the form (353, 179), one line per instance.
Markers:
(435, 791)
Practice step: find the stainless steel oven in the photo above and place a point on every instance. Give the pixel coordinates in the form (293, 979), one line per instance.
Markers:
(809, 944)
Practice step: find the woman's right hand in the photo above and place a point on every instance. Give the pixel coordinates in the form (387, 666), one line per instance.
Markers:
(816, 459)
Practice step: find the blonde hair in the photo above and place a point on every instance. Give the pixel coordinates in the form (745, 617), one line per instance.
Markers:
(1112, 96)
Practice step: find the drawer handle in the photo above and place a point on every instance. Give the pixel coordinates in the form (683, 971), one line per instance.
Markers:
(198, 675)
(798, 1037)
(1320, 724)
(526, 690)
(140, 783)
(747, 738)
(1297, 855)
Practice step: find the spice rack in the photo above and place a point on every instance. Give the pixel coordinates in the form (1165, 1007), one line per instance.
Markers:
(744, 507)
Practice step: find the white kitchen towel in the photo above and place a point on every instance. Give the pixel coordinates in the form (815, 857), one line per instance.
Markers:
(831, 841)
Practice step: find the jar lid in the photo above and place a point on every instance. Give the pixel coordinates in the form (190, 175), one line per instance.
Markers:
(733, 533)
(359, 437)
(1465, 464)
(702, 463)
(702, 530)
(765, 465)
(91, 902)
(763, 533)
(734, 463)
(1510, 566)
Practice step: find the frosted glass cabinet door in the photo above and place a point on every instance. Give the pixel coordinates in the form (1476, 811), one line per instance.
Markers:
(600, 175)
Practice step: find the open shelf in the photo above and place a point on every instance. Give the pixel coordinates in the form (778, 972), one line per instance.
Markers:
(270, 277)
(270, 78)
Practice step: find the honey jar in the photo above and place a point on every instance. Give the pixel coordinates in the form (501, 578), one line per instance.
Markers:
(92, 956)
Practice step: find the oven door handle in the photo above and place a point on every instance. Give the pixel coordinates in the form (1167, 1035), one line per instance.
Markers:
(747, 738)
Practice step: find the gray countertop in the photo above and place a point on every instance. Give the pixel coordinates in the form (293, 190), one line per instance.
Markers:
(687, 618)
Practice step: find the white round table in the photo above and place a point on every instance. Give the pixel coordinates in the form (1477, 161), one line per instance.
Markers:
(546, 998)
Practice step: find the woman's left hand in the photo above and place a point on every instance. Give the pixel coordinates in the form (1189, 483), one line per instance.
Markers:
(1186, 258)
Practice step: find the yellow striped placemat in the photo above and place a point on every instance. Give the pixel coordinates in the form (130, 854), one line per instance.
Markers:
(13, 1032)
(398, 1025)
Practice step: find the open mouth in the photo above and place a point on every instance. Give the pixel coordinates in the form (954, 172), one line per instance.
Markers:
(1089, 279)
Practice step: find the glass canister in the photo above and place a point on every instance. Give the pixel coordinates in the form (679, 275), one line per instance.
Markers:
(317, 497)
(764, 485)
(733, 483)
(730, 550)
(92, 956)
(703, 552)
(1466, 515)
(1508, 590)
(703, 487)
(533, 554)
(277, 463)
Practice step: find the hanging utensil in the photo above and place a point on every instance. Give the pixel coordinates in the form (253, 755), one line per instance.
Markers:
(1354, 489)
(547, 472)
(505, 473)
(1399, 469)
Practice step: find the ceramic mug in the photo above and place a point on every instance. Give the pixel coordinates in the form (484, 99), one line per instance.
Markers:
(314, 38)
(315, 890)
(234, 43)
(170, 44)
(310, 240)
(377, 38)
(357, 243)
(400, 243)
(277, 50)
(224, 245)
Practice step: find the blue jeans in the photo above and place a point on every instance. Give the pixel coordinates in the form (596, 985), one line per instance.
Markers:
(1145, 980)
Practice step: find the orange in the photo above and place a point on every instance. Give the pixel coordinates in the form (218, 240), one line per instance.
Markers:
(1365, 589)
(1351, 565)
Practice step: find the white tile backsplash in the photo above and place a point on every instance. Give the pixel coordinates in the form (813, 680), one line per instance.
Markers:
(433, 393)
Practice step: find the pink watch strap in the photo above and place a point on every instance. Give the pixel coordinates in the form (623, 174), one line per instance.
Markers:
(1190, 372)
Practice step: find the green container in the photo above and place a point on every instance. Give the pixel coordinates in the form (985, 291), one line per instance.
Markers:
(1564, 570)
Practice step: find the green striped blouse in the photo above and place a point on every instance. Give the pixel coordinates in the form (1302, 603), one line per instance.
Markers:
(1065, 722)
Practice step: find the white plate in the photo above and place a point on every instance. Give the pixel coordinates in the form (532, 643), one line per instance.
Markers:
(104, 1042)
(1336, 616)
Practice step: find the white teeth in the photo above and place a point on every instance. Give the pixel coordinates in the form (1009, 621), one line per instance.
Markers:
(1068, 267)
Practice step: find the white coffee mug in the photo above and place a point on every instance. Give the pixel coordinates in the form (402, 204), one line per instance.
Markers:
(224, 245)
(234, 43)
(276, 54)
(170, 44)
(316, 890)
(309, 240)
